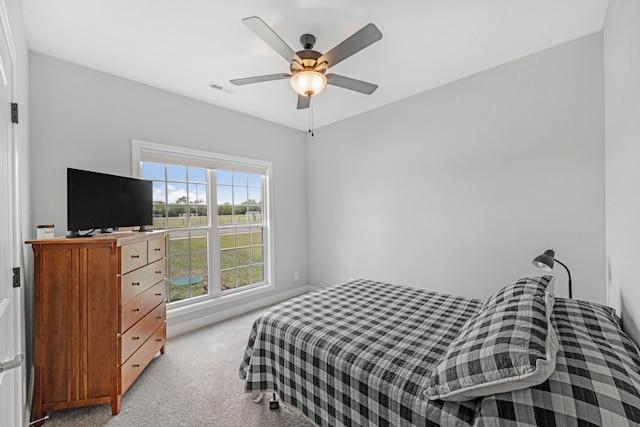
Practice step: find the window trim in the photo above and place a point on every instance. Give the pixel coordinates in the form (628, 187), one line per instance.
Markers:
(212, 160)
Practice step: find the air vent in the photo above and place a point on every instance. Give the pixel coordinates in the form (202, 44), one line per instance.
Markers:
(218, 86)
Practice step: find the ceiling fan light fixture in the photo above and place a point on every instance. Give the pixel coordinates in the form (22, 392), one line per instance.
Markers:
(308, 82)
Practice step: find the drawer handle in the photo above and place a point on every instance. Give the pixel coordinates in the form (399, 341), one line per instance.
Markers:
(157, 249)
(136, 365)
(159, 339)
(135, 256)
(158, 271)
(136, 309)
(136, 338)
(158, 317)
(158, 294)
(135, 283)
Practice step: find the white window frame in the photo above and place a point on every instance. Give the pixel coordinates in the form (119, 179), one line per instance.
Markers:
(211, 160)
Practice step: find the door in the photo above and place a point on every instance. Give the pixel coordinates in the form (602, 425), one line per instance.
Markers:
(12, 373)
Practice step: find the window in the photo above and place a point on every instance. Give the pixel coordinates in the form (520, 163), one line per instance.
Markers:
(240, 228)
(215, 210)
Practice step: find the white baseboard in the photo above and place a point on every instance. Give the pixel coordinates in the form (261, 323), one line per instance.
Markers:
(182, 321)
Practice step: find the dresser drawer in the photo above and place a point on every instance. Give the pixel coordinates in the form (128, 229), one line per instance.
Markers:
(141, 331)
(133, 256)
(132, 368)
(138, 307)
(156, 249)
(138, 281)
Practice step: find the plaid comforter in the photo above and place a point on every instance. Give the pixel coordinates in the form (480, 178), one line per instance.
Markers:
(358, 354)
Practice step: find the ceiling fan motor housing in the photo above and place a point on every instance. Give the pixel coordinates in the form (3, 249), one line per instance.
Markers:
(309, 60)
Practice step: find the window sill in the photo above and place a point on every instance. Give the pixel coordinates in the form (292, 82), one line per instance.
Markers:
(181, 320)
(223, 299)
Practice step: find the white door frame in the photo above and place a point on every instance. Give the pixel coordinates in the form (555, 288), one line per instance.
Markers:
(13, 392)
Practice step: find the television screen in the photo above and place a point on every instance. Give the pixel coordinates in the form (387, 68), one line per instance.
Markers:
(101, 201)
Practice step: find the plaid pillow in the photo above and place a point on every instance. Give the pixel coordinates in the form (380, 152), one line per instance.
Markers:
(526, 286)
(508, 345)
(596, 381)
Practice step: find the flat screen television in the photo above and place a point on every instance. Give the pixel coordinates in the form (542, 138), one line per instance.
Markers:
(98, 201)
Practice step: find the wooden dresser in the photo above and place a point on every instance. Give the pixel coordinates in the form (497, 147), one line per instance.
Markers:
(99, 316)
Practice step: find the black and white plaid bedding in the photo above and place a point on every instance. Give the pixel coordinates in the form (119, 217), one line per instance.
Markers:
(596, 381)
(357, 354)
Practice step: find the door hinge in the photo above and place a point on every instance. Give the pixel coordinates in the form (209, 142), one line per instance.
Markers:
(14, 112)
(16, 277)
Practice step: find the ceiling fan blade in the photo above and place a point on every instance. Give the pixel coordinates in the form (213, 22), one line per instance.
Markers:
(303, 102)
(364, 37)
(258, 79)
(270, 37)
(351, 84)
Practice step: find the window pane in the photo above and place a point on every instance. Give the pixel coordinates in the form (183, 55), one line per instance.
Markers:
(256, 236)
(243, 237)
(255, 195)
(239, 215)
(152, 171)
(254, 216)
(224, 214)
(223, 177)
(227, 239)
(227, 258)
(256, 255)
(159, 191)
(239, 178)
(240, 195)
(227, 279)
(178, 266)
(177, 192)
(159, 211)
(198, 216)
(197, 174)
(199, 263)
(224, 194)
(243, 256)
(178, 245)
(197, 193)
(254, 180)
(244, 276)
(257, 273)
(199, 243)
(176, 173)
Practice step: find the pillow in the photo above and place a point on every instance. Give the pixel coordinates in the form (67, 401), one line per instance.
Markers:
(596, 381)
(508, 345)
(529, 285)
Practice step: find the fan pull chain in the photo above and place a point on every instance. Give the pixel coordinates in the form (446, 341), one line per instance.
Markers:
(311, 115)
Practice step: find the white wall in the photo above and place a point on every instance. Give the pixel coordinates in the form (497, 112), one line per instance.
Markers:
(86, 119)
(622, 124)
(458, 188)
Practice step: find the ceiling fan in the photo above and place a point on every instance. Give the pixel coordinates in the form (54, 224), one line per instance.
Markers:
(308, 67)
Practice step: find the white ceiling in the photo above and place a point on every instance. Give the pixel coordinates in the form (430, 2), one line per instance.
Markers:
(183, 46)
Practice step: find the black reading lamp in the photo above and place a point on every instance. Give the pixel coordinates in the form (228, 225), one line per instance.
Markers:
(545, 262)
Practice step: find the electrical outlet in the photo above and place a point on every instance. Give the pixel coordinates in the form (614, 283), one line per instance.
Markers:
(296, 275)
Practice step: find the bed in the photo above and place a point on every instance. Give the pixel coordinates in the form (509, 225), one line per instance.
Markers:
(367, 353)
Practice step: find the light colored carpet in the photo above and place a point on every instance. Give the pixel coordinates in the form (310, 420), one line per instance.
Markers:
(195, 383)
